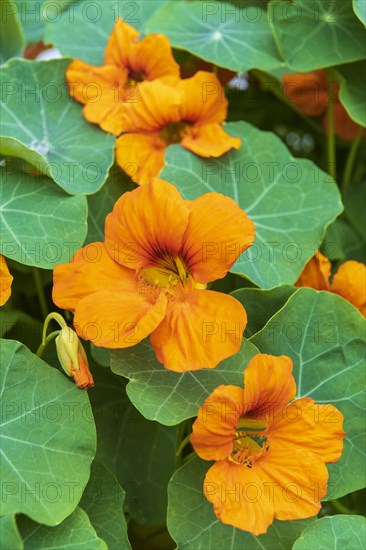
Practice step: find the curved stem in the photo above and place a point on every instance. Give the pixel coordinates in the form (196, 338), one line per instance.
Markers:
(46, 341)
(40, 292)
(341, 507)
(331, 148)
(182, 445)
(351, 158)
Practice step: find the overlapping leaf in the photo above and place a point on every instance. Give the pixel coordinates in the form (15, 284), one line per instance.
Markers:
(48, 437)
(40, 225)
(44, 126)
(291, 201)
(74, 533)
(141, 454)
(236, 36)
(103, 500)
(11, 32)
(261, 305)
(193, 524)
(9, 534)
(359, 7)
(319, 34)
(167, 396)
(325, 337)
(100, 204)
(334, 532)
(82, 30)
(352, 91)
(30, 15)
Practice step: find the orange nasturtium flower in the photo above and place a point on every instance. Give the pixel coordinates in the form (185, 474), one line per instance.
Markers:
(309, 92)
(270, 454)
(5, 281)
(149, 277)
(190, 114)
(349, 281)
(129, 63)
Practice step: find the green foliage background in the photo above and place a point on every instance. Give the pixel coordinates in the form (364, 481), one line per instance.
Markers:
(100, 470)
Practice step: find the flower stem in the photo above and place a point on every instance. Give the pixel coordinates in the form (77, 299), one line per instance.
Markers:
(46, 341)
(182, 445)
(351, 158)
(40, 292)
(331, 148)
(341, 507)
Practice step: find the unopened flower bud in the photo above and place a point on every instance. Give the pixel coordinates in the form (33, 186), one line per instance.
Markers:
(73, 358)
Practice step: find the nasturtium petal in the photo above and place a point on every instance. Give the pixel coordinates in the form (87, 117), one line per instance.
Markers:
(9, 534)
(48, 437)
(290, 200)
(44, 126)
(40, 225)
(339, 531)
(236, 36)
(352, 92)
(11, 32)
(331, 28)
(74, 533)
(82, 31)
(103, 500)
(140, 453)
(170, 397)
(193, 524)
(325, 337)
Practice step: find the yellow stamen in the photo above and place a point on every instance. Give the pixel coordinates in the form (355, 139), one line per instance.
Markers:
(249, 441)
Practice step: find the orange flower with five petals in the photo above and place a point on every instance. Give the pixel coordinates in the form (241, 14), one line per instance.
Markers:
(129, 64)
(309, 93)
(270, 454)
(6, 280)
(149, 277)
(190, 114)
(349, 281)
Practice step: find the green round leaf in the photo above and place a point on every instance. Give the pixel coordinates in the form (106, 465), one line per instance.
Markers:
(352, 91)
(103, 501)
(325, 337)
(141, 454)
(44, 126)
(291, 201)
(346, 532)
(261, 305)
(74, 533)
(235, 36)
(82, 31)
(48, 437)
(359, 7)
(330, 33)
(193, 524)
(170, 397)
(9, 534)
(11, 32)
(40, 224)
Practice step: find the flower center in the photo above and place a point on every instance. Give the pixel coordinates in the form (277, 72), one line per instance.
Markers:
(174, 132)
(250, 441)
(134, 77)
(170, 276)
